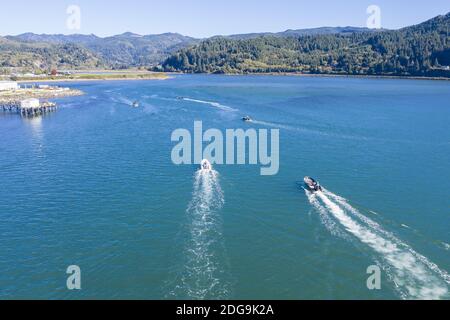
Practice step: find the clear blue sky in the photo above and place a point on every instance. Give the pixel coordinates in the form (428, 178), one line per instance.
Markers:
(202, 18)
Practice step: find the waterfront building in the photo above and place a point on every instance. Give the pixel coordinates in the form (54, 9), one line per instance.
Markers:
(8, 85)
(29, 103)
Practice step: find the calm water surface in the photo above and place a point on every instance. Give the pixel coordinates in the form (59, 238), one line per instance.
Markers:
(93, 185)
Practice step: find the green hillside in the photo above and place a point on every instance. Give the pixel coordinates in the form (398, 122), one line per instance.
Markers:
(120, 51)
(36, 56)
(421, 50)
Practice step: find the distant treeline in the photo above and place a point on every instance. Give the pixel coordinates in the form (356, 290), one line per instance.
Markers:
(421, 50)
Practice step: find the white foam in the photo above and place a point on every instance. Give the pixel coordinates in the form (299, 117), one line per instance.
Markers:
(118, 98)
(414, 275)
(275, 125)
(149, 108)
(303, 130)
(343, 202)
(387, 234)
(211, 103)
(202, 277)
(324, 215)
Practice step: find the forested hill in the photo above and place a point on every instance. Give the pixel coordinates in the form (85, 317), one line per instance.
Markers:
(421, 50)
(35, 56)
(301, 32)
(120, 51)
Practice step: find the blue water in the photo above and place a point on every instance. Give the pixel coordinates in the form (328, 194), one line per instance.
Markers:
(93, 185)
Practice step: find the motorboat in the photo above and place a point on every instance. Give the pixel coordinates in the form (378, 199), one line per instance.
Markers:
(135, 104)
(247, 119)
(206, 165)
(312, 184)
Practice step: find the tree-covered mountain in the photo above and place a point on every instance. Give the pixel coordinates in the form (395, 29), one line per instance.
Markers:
(38, 56)
(54, 38)
(302, 32)
(121, 51)
(421, 50)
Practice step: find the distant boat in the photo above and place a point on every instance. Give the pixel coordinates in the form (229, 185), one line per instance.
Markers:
(136, 104)
(247, 119)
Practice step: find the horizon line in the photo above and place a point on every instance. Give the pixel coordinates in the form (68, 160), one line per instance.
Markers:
(216, 35)
(212, 36)
(185, 35)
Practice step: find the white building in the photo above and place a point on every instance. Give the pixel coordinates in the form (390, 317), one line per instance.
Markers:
(29, 103)
(8, 85)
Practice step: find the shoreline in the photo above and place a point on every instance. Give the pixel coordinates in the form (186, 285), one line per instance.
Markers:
(90, 80)
(169, 75)
(366, 76)
(96, 75)
(41, 94)
(286, 74)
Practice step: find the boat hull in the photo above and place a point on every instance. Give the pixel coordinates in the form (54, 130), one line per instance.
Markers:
(206, 165)
(312, 184)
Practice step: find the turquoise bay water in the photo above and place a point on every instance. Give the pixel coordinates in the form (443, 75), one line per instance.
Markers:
(93, 185)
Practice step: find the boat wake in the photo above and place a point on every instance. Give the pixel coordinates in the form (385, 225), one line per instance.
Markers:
(275, 125)
(414, 276)
(204, 275)
(211, 103)
(149, 108)
(120, 99)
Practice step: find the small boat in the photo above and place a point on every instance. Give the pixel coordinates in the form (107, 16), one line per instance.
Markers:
(247, 119)
(312, 184)
(205, 165)
(135, 104)
(180, 98)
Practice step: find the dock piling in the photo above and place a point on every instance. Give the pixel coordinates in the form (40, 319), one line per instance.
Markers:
(16, 107)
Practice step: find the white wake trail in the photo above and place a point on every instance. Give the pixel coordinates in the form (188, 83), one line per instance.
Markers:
(275, 125)
(211, 103)
(118, 98)
(325, 216)
(443, 274)
(203, 274)
(414, 275)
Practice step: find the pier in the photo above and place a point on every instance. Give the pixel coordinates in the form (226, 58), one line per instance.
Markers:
(28, 108)
(26, 101)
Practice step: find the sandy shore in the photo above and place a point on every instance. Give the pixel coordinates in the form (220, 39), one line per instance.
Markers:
(22, 94)
(82, 80)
